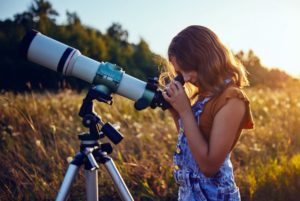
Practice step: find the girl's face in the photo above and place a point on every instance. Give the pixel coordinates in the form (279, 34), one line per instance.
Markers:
(190, 76)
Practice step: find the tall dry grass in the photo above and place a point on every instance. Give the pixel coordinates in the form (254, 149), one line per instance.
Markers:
(39, 136)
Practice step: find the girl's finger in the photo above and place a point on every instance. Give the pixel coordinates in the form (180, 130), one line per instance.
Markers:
(174, 88)
(179, 86)
(169, 91)
(166, 97)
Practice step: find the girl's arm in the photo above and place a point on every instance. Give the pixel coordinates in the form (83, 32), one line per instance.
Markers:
(209, 156)
(174, 114)
(176, 117)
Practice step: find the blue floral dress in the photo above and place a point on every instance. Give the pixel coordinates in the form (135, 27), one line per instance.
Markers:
(193, 185)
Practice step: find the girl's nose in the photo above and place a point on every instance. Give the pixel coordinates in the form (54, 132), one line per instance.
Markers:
(186, 78)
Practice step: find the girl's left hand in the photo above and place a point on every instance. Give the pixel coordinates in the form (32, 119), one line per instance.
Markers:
(175, 94)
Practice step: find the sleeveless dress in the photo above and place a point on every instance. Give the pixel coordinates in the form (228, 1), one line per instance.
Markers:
(193, 185)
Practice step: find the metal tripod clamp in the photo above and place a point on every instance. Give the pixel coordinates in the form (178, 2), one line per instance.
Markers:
(89, 153)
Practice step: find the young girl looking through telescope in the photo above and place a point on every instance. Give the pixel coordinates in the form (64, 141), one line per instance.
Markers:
(210, 127)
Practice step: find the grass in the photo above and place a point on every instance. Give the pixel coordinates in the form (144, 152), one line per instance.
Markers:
(39, 136)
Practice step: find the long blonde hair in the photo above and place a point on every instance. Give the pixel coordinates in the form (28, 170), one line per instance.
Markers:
(197, 48)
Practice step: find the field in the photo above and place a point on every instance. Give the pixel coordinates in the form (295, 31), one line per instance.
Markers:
(39, 137)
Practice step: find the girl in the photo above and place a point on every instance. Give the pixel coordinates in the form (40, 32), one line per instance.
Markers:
(211, 127)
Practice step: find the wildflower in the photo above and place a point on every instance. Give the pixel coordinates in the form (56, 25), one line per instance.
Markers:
(260, 101)
(169, 136)
(44, 183)
(125, 116)
(266, 109)
(288, 106)
(15, 134)
(137, 125)
(53, 129)
(273, 145)
(139, 135)
(169, 118)
(298, 104)
(78, 129)
(255, 146)
(3, 135)
(69, 159)
(152, 134)
(261, 117)
(108, 115)
(38, 143)
(254, 98)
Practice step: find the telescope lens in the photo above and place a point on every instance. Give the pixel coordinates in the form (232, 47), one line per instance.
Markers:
(25, 43)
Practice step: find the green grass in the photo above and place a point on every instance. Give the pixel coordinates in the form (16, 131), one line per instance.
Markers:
(39, 133)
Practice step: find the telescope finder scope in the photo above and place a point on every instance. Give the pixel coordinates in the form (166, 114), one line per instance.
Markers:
(108, 78)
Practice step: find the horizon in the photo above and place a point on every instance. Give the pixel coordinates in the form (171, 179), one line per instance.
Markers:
(269, 28)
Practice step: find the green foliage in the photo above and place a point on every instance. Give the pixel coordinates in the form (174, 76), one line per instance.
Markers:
(111, 46)
(136, 59)
(260, 75)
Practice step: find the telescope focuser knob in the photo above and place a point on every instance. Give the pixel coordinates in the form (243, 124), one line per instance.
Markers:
(89, 120)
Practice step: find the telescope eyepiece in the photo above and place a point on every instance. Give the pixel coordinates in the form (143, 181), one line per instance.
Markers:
(180, 79)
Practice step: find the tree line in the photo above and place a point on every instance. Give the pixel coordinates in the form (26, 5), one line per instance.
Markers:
(113, 46)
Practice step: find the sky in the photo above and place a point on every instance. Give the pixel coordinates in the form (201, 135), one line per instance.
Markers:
(271, 28)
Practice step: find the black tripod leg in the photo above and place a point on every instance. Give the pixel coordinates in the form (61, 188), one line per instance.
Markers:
(117, 178)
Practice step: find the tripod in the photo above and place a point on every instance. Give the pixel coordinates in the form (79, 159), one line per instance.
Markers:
(92, 151)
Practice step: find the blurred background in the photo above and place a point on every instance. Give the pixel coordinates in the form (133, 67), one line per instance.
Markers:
(132, 34)
(39, 119)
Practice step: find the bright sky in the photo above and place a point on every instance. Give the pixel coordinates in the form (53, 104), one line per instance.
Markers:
(271, 28)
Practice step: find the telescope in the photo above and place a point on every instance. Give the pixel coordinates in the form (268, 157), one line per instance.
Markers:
(106, 77)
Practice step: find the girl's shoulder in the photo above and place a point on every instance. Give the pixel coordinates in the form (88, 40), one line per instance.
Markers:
(217, 102)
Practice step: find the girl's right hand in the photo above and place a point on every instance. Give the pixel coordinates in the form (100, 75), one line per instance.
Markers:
(173, 112)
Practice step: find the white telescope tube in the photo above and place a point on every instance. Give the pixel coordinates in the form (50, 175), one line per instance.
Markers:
(131, 87)
(59, 57)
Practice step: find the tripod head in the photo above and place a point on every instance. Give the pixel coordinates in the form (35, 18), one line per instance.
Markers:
(93, 121)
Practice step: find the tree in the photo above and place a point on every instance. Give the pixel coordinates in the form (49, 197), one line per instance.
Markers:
(73, 18)
(116, 32)
(43, 13)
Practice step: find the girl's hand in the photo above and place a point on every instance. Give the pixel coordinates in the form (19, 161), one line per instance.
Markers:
(174, 93)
